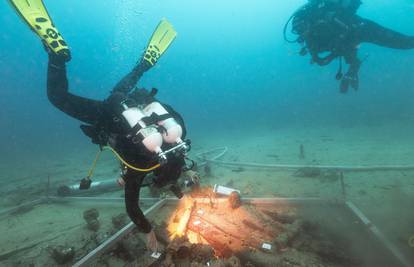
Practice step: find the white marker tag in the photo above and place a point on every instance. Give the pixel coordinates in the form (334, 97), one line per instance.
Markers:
(156, 255)
(267, 246)
(197, 223)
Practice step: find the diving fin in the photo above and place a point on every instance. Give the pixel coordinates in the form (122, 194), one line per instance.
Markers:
(35, 15)
(161, 39)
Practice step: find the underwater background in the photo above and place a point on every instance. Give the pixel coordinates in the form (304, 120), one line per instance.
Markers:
(228, 68)
(236, 82)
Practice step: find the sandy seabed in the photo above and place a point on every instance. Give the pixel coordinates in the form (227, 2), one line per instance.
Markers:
(385, 197)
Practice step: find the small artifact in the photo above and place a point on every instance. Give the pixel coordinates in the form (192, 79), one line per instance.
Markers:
(93, 225)
(266, 246)
(63, 254)
(222, 190)
(234, 200)
(119, 220)
(90, 214)
(91, 218)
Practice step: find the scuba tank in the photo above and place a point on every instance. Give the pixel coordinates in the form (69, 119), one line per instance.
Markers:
(148, 135)
(145, 122)
(172, 131)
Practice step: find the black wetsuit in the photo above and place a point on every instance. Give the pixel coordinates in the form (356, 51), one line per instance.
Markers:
(339, 32)
(105, 126)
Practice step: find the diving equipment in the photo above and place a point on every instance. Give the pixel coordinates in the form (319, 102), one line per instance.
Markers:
(35, 15)
(149, 136)
(161, 39)
(172, 130)
(85, 183)
(96, 187)
(152, 126)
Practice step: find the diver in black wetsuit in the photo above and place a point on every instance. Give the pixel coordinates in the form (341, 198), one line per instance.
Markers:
(108, 123)
(145, 135)
(105, 125)
(332, 27)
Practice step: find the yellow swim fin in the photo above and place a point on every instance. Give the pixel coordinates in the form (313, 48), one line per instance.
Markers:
(34, 13)
(161, 39)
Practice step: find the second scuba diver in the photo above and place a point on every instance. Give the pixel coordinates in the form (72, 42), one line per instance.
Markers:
(146, 136)
(333, 27)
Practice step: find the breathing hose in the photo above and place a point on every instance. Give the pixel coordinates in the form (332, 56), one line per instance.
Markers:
(287, 24)
(93, 167)
(285, 30)
(156, 166)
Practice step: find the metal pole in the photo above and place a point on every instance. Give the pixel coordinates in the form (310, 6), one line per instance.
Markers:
(378, 234)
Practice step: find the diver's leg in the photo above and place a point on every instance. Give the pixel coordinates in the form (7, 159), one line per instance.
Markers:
(371, 32)
(83, 109)
(130, 80)
(133, 181)
(350, 79)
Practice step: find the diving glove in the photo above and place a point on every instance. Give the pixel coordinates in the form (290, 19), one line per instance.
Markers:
(349, 80)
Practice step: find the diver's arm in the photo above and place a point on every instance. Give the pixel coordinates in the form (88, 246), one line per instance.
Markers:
(131, 79)
(371, 32)
(83, 109)
(133, 181)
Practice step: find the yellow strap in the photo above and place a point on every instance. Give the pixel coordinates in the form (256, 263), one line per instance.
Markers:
(129, 165)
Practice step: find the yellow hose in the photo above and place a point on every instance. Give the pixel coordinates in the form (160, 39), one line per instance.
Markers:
(90, 172)
(129, 165)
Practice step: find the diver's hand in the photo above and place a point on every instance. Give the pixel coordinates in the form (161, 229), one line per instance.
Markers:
(152, 243)
(349, 79)
(193, 176)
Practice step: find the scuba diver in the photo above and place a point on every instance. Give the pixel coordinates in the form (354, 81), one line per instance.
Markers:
(331, 29)
(145, 135)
